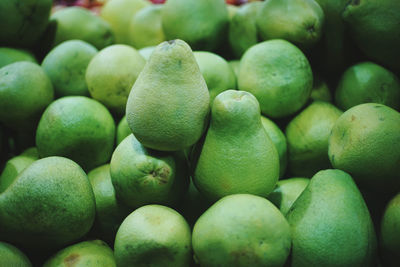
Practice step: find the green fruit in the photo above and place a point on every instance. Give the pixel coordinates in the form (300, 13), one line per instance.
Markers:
(85, 254)
(237, 155)
(235, 64)
(123, 130)
(146, 52)
(12, 169)
(66, 66)
(153, 235)
(31, 152)
(170, 87)
(368, 82)
(216, 71)
(241, 230)
(320, 91)
(25, 91)
(308, 135)
(199, 23)
(297, 21)
(142, 176)
(23, 22)
(279, 76)
(365, 142)
(10, 55)
(390, 232)
(12, 256)
(49, 205)
(331, 225)
(78, 128)
(111, 75)
(80, 23)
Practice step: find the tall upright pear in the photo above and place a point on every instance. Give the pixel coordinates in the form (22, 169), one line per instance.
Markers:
(168, 105)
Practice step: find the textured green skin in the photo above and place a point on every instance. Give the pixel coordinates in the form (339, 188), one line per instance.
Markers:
(331, 225)
(50, 204)
(111, 74)
(365, 142)
(199, 23)
(80, 23)
(307, 137)
(374, 26)
(168, 105)
(13, 167)
(320, 91)
(23, 22)
(368, 82)
(83, 254)
(78, 128)
(66, 67)
(278, 74)
(237, 155)
(123, 130)
(12, 256)
(10, 55)
(216, 71)
(390, 233)
(297, 21)
(146, 52)
(153, 235)
(241, 230)
(141, 176)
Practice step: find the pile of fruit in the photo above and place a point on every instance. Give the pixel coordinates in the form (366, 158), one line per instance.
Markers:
(200, 133)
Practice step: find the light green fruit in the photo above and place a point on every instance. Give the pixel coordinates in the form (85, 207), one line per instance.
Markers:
(123, 130)
(31, 152)
(142, 176)
(232, 11)
(237, 155)
(23, 22)
(78, 128)
(153, 235)
(79, 23)
(243, 32)
(216, 71)
(235, 65)
(199, 23)
(146, 27)
(10, 55)
(66, 67)
(286, 192)
(12, 169)
(49, 205)
(170, 87)
(25, 91)
(279, 75)
(390, 232)
(241, 230)
(307, 137)
(365, 142)
(110, 212)
(12, 256)
(278, 138)
(146, 52)
(331, 225)
(119, 13)
(85, 254)
(368, 82)
(320, 91)
(111, 75)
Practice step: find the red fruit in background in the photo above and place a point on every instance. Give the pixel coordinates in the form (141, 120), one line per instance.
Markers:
(158, 1)
(236, 2)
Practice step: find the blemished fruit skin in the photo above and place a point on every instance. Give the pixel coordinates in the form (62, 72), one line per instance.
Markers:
(241, 230)
(12, 256)
(168, 105)
(153, 235)
(278, 74)
(237, 155)
(331, 225)
(49, 205)
(83, 254)
(390, 233)
(10, 55)
(365, 142)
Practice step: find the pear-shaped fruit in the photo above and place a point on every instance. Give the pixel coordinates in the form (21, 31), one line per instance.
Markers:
(331, 224)
(168, 105)
(390, 233)
(12, 256)
(237, 155)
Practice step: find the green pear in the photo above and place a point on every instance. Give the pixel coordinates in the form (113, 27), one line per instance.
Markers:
(331, 224)
(168, 105)
(237, 155)
(13, 167)
(146, 52)
(12, 256)
(10, 55)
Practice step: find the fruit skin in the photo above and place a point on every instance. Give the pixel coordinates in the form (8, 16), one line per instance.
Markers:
(241, 230)
(170, 87)
(278, 74)
(12, 256)
(50, 205)
(78, 128)
(368, 82)
(390, 233)
(123, 130)
(252, 164)
(365, 142)
(199, 23)
(153, 235)
(13, 167)
(10, 55)
(146, 52)
(330, 224)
